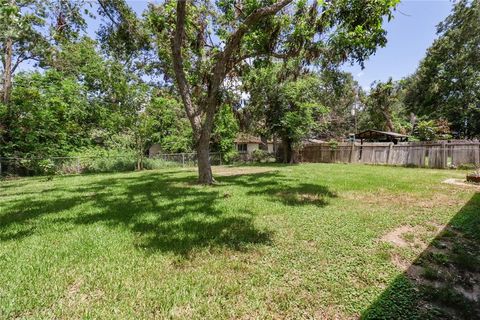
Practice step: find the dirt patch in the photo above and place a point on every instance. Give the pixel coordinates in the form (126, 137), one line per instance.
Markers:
(404, 200)
(439, 200)
(462, 183)
(444, 270)
(399, 262)
(182, 312)
(237, 171)
(395, 236)
(73, 289)
(74, 296)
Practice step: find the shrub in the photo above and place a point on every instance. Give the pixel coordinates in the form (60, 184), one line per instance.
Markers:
(46, 166)
(333, 144)
(261, 156)
(101, 160)
(229, 156)
(151, 164)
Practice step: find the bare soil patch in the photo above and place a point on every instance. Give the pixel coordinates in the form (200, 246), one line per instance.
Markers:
(404, 200)
(395, 236)
(462, 183)
(438, 268)
(237, 171)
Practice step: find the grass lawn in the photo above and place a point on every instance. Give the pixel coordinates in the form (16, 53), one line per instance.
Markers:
(308, 241)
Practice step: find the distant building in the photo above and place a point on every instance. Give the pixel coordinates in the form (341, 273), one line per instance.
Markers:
(246, 144)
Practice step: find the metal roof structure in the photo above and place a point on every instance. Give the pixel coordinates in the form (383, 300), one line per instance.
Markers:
(381, 136)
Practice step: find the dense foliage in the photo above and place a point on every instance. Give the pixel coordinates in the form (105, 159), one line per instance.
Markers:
(447, 83)
(78, 95)
(285, 107)
(384, 108)
(191, 75)
(202, 44)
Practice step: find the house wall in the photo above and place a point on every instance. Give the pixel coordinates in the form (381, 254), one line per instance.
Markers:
(251, 147)
(270, 148)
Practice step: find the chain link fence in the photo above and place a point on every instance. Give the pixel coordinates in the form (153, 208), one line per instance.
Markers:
(88, 164)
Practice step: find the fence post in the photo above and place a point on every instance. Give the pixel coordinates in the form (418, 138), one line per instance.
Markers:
(183, 159)
(78, 165)
(444, 155)
(390, 148)
(220, 155)
(477, 160)
(352, 152)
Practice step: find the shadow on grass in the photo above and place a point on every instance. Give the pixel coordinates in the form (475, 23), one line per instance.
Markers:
(281, 188)
(444, 281)
(163, 209)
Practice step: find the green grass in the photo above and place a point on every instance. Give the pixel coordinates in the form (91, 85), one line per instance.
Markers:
(295, 242)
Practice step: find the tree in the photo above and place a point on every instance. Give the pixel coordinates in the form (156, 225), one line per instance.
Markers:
(202, 43)
(172, 129)
(49, 114)
(208, 68)
(447, 82)
(340, 93)
(384, 109)
(430, 130)
(285, 106)
(20, 39)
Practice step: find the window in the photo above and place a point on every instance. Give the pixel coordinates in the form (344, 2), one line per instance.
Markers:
(242, 147)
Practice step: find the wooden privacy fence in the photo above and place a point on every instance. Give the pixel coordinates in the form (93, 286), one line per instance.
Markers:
(432, 155)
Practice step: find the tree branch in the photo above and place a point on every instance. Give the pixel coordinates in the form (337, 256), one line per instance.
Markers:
(222, 66)
(180, 76)
(22, 57)
(105, 11)
(233, 43)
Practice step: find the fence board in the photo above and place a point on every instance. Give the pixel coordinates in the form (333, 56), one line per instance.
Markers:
(426, 154)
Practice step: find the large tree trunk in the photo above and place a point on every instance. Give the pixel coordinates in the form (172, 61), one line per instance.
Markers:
(203, 156)
(289, 154)
(294, 156)
(7, 73)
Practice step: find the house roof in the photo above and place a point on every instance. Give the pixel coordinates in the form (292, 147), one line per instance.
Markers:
(313, 141)
(371, 134)
(248, 138)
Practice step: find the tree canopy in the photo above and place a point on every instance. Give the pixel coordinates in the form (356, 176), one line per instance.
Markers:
(177, 74)
(447, 82)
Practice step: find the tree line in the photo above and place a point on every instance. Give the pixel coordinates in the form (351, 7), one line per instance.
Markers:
(189, 75)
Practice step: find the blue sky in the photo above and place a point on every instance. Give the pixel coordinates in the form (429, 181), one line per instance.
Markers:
(410, 33)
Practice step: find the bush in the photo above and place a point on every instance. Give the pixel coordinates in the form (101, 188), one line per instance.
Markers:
(229, 156)
(101, 160)
(46, 166)
(333, 144)
(151, 164)
(261, 156)
(111, 160)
